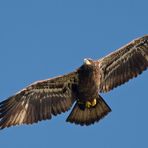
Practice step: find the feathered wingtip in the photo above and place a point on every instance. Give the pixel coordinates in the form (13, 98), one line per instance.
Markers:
(91, 115)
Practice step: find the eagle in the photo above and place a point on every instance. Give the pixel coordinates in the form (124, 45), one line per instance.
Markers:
(80, 89)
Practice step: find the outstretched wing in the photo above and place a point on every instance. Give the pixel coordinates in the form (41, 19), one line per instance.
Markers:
(123, 64)
(38, 101)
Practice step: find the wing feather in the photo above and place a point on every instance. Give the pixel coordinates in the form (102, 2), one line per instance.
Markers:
(124, 64)
(39, 101)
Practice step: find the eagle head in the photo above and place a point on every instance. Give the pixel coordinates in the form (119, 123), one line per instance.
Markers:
(88, 61)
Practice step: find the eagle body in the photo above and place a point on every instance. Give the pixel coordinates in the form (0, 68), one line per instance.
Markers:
(88, 102)
(47, 98)
(87, 88)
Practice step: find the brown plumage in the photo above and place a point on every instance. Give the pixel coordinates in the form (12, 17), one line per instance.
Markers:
(44, 99)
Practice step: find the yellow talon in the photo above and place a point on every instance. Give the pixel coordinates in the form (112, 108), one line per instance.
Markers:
(88, 104)
(94, 102)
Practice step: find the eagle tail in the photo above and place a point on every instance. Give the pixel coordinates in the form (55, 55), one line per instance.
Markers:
(90, 115)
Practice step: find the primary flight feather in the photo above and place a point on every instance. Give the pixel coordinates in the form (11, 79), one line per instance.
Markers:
(44, 99)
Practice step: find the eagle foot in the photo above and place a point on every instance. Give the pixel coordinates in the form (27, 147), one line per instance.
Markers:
(89, 104)
(94, 102)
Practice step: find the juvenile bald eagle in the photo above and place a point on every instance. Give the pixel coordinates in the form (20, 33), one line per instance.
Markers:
(44, 99)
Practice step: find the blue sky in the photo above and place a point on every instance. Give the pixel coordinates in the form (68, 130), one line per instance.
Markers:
(42, 39)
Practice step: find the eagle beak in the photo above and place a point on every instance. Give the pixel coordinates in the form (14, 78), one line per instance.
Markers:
(87, 62)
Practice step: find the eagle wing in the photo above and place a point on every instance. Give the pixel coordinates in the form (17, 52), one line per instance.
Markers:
(39, 101)
(124, 64)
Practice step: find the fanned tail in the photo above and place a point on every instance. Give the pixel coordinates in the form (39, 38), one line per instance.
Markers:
(90, 115)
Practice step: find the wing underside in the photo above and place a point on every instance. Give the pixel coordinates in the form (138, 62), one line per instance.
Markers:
(124, 64)
(38, 101)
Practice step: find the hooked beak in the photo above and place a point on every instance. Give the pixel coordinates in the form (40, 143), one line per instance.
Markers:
(87, 62)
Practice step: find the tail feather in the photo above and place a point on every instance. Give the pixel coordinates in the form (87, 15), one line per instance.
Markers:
(89, 115)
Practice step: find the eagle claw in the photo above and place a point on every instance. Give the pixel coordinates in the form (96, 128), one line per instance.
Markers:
(91, 104)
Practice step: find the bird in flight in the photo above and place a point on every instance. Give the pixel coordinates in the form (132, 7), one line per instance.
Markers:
(44, 99)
